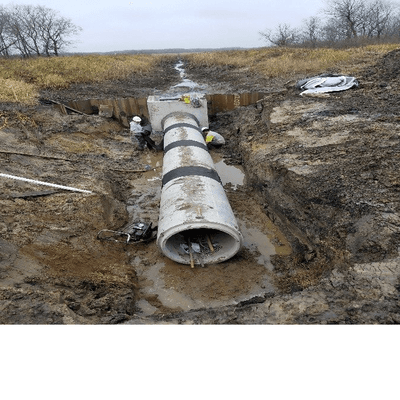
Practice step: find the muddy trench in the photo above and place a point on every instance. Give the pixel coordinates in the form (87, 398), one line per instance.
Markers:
(49, 236)
(321, 245)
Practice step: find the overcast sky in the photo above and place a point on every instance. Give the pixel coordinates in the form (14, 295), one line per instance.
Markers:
(110, 25)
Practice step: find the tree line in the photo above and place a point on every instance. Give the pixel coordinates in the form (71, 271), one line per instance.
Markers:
(342, 22)
(28, 31)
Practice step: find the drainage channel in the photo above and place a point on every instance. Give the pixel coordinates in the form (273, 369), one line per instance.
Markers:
(125, 108)
(167, 286)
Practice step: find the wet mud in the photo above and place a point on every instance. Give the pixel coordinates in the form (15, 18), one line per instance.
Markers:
(313, 183)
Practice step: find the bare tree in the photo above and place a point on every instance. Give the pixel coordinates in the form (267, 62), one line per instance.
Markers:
(284, 35)
(360, 18)
(348, 14)
(32, 28)
(381, 14)
(6, 40)
(36, 30)
(348, 22)
(393, 30)
(311, 32)
(17, 27)
(56, 31)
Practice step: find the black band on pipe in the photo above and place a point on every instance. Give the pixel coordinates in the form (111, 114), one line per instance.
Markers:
(182, 124)
(180, 143)
(190, 171)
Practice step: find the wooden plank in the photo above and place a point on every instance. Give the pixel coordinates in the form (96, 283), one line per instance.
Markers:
(63, 107)
(142, 103)
(133, 108)
(84, 106)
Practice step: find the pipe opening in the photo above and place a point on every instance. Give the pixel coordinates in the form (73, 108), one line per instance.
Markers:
(201, 246)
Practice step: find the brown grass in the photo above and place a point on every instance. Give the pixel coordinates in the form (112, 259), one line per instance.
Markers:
(284, 62)
(22, 79)
(12, 91)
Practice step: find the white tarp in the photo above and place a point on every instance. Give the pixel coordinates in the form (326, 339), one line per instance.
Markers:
(326, 84)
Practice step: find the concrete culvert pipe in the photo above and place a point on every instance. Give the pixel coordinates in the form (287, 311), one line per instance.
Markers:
(196, 223)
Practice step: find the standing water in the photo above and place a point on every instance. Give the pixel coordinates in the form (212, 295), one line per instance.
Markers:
(232, 174)
(186, 85)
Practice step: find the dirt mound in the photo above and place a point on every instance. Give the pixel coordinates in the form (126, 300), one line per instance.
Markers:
(386, 70)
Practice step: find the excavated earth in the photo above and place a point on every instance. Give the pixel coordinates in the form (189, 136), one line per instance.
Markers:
(319, 209)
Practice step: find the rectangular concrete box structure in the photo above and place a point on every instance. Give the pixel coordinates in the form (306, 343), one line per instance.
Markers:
(160, 107)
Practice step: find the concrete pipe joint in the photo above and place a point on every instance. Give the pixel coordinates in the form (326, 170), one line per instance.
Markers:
(196, 223)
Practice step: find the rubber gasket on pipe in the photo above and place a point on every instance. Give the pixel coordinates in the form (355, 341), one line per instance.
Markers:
(196, 221)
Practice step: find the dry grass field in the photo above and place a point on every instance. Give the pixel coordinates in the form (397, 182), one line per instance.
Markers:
(22, 79)
(279, 62)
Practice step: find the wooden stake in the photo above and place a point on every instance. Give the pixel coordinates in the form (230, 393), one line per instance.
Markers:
(210, 244)
(191, 255)
(68, 108)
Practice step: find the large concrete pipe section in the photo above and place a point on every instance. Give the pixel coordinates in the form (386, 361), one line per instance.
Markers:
(196, 223)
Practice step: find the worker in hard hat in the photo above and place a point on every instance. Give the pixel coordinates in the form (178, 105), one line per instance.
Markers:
(137, 133)
(213, 139)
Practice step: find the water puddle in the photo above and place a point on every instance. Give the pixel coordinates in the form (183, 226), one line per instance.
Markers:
(166, 286)
(144, 199)
(153, 163)
(180, 69)
(257, 241)
(233, 174)
(186, 84)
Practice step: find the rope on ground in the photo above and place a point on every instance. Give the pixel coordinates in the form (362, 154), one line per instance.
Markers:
(44, 183)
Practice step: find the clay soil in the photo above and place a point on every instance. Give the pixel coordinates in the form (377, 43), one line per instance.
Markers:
(322, 172)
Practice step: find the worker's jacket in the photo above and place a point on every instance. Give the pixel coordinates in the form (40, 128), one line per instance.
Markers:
(214, 138)
(136, 128)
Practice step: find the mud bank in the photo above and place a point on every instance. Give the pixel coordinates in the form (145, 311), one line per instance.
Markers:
(312, 181)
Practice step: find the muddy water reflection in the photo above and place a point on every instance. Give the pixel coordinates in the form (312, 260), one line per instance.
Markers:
(166, 286)
(153, 162)
(233, 174)
(257, 241)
